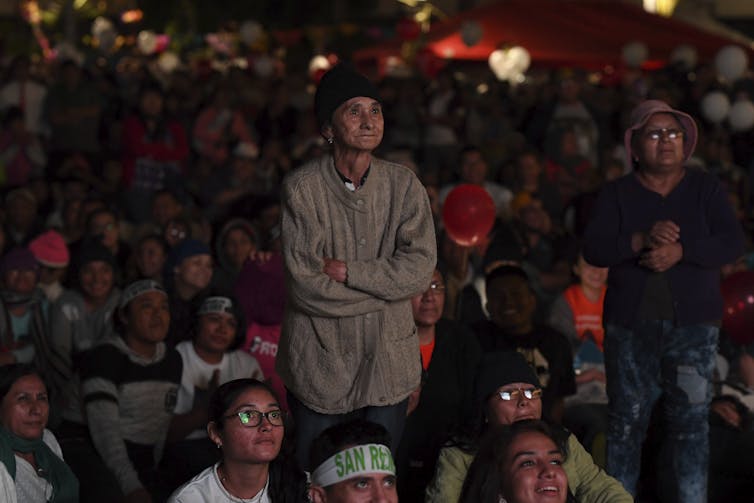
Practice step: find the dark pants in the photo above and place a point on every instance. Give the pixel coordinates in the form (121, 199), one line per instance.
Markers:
(96, 482)
(649, 360)
(309, 424)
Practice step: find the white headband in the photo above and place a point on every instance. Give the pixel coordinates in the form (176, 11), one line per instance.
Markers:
(352, 462)
(138, 288)
(216, 305)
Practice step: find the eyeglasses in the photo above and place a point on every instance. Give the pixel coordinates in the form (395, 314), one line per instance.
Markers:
(657, 134)
(436, 287)
(529, 394)
(253, 418)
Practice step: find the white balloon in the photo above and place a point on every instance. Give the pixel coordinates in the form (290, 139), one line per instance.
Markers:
(168, 61)
(100, 25)
(684, 56)
(250, 32)
(471, 33)
(741, 117)
(731, 62)
(715, 106)
(319, 62)
(147, 41)
(635, 53)
(509, 64)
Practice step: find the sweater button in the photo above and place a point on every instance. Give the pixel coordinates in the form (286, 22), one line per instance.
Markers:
(362, 241)
(360, 202)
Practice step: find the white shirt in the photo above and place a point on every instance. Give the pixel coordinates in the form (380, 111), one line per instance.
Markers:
(207, 488)
(197, 374)
(28, 486)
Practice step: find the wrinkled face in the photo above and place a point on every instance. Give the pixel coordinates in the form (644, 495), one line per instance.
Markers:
(533, 471)
(373, 488)
(655, 150)
(473, 168)
(590, 276)
(97, 280)
(147, 318)
(150, 258)
(249, 444)
(357, 124)
(238, 245)
(427, 306)
(511, 303)
(25, 408)
(216, 332)
(506, 412)
(195, 271)
(105, 225)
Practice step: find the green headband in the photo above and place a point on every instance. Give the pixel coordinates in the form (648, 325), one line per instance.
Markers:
(349, 463)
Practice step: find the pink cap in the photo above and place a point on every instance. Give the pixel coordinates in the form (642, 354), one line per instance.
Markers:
(50, 250)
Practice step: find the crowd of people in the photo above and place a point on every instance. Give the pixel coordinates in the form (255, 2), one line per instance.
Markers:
(218, 286)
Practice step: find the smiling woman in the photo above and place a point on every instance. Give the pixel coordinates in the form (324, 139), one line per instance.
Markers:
(31, 463)
(520, 463)
(211, 358)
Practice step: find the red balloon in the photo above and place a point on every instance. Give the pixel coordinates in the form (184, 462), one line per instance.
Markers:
(738, 306)
(468, 214)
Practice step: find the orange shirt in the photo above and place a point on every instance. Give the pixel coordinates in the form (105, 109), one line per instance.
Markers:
(587, 315)
(426, 350)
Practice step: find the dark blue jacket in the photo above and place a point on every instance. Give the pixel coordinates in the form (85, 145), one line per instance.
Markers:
(710, 236)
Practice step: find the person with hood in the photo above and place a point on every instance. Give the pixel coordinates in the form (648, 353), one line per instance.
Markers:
(260, 290)
(83, 315)
(236, 240)
(24, 309)
(188, 273)
(665, 231)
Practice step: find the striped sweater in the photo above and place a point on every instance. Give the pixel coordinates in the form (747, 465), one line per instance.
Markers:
(129, 401)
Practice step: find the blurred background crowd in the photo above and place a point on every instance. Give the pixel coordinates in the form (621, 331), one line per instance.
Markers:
(146, 166)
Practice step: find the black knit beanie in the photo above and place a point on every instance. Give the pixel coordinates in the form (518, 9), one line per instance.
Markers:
(337, 86)
(501, 368)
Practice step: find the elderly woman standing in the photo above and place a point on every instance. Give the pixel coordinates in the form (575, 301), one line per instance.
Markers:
(31, 463)
(665, 231)
(358, 242)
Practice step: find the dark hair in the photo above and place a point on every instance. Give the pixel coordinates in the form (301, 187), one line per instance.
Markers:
(484, 480)
(97, 212)
(9, 374)
(237, 313)
(227, 393)
(287, 481)
(340, 436)
(505, 270)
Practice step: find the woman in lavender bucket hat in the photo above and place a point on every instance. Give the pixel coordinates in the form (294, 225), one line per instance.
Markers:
(664, 230)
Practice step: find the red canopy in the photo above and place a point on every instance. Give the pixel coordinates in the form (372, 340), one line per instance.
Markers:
(582, 33)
